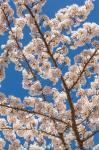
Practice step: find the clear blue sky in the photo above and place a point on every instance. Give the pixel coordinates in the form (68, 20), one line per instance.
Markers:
(12, 84)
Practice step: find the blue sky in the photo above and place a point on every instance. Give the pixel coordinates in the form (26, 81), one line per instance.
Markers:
(12, 84)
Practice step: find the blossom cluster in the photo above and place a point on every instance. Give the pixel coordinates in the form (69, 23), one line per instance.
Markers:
(52, 78)
(84, 35)
(70, 16)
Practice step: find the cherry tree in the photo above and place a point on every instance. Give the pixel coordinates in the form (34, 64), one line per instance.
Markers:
(61, 111)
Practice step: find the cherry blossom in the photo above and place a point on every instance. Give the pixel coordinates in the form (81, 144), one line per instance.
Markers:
(63, 91)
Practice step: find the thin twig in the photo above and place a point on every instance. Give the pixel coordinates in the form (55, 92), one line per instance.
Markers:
(89, 136)
(84, 68)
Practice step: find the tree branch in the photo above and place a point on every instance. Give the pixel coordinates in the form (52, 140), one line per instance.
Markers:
(74, 126)
(83, 70)
(26, 129)
(61, 135)
(8, 23)
(36, 113)
(89, 136)
(90, 112)
(18, 45)
(43, 96)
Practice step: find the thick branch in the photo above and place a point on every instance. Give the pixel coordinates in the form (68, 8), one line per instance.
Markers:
(74, 126)
(61, 135)
(43, 96)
